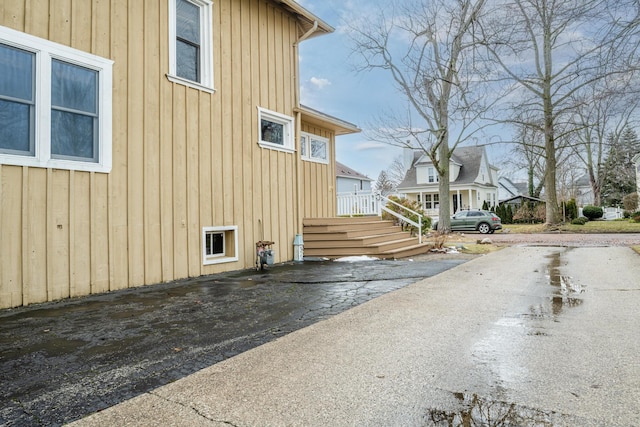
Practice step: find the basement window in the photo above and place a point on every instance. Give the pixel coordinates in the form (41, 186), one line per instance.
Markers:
(219, 244)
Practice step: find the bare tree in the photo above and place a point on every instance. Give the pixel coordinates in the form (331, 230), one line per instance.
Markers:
(552, 49)
(601, 113)
(383, 184)
(396, 171)
(528, 153)
(428, 47)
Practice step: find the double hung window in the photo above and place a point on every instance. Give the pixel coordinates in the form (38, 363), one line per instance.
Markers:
(190, 44)
(432, 174)
(55, 105)
(431, 201)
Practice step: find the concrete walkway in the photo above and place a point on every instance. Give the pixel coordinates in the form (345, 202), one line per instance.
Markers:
(524, 336)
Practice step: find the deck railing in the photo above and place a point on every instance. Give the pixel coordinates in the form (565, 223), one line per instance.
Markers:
(418, 224)
(369, 203)
(358, 204)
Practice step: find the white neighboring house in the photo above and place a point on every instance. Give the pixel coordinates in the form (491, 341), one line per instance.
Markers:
(582, 191)
(354, 193)
(351, 181)
(473, 180)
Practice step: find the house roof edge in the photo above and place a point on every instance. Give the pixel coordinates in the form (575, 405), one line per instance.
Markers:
(306, 18)
(341, 127)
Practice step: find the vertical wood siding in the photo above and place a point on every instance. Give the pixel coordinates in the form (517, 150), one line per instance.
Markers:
(319, 180)
(183, 159)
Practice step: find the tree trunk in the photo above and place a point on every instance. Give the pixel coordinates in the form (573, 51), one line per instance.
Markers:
(444, 210)
(552, 213)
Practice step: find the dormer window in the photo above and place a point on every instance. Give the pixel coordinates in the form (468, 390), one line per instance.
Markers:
(432, 174)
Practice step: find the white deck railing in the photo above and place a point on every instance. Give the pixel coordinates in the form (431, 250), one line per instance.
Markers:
(350, 204)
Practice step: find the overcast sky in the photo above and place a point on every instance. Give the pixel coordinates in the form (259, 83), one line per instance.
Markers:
(330, 84)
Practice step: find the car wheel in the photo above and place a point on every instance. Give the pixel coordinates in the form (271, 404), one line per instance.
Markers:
(484, 228)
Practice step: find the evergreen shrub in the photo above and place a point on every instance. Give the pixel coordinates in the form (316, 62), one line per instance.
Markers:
(592, 212)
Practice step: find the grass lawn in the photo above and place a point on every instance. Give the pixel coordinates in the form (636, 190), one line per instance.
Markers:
(617, 226)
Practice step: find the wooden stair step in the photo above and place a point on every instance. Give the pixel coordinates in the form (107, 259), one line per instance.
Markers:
(355, 242)
(353, 234)
(340, 237)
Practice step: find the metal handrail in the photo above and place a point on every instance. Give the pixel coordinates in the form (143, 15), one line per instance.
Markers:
(383, 206)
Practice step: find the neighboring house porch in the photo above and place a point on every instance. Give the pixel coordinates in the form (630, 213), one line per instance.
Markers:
(473, 180)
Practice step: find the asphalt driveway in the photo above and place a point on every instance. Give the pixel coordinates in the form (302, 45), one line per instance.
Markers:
(62, 361)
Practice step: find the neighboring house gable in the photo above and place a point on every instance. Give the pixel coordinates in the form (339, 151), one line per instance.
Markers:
(508, 189)
(351, 181)
(184, 149)
(582, 191)
(473, 180)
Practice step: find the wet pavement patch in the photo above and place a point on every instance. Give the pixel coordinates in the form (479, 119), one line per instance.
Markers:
(469, 409)
(62, 361)
(565, 292)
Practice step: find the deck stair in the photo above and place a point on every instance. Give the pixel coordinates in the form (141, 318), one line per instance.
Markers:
(369, 235)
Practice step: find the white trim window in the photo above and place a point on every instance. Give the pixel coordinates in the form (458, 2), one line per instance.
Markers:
(55, 105)
(190, 43)
(314, 148)
(219, 244)
(432, 175)
(431, 201)
(275, 130)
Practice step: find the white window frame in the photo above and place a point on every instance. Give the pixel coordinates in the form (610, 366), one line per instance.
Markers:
(45, 51)
(229, 232)
(432, 175)
(305, 147)
(206, 47)
(288, 123)
(431, 201)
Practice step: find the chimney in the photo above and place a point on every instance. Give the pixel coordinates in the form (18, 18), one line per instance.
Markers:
(407, 157)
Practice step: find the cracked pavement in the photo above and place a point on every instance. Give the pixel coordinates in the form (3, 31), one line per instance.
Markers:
(62, 361)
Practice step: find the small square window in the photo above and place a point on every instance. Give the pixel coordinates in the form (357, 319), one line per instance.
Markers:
(314, 148)
(219, 244)
(275, 130)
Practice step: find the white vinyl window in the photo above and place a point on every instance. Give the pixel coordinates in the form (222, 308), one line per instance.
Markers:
(431, 201)
(432, 175)
(275, 130)
(190, 43)
(55, 105)
(314, 148)
(219, 244)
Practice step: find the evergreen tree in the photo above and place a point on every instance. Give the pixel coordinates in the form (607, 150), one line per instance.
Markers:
(621, 176)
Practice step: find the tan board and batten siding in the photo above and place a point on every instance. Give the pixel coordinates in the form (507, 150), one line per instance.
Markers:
(183, 159)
